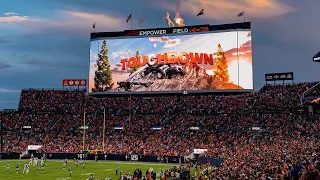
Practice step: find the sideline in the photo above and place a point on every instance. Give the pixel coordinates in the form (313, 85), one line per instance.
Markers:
(101, 161)
(63, 178)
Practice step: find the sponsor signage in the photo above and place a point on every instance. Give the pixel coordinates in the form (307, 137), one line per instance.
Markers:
(256, 128)
(134, 157)
(165, 31)
(74, 82)
(152, 32)
(80, 156)
(194, 128)
(118, 127)
(199, 151)
(171, 30)
(316, 57)
(156, 128)
(26, 127)
(9, 110)
(34, 147)
(83, 127)
(279, 76)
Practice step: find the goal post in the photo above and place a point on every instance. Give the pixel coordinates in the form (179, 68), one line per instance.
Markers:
(84, 127)
(104, 128)
(84, 130)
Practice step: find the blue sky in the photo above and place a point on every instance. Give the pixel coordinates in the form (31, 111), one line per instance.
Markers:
(43, 42)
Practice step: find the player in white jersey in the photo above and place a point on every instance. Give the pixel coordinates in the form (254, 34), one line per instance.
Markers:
(24, 168)
(35, 161)
(27, 170)
(83, 162)
(42, 167)
(30, 162)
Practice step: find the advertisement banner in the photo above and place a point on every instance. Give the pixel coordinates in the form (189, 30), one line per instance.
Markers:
(279, 76)
(181, 61)
(134, 157)
(166, 31)
(199, 151)
(174, 30)
(74, 82)
(34, 147)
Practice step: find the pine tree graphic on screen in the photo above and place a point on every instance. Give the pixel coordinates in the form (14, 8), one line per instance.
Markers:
(103, 74)
(137, 66)
(221, 73)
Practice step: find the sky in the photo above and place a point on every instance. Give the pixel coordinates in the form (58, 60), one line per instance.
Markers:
(207, 43)
(43, 42)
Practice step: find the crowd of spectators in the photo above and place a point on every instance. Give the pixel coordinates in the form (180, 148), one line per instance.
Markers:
(286, 139)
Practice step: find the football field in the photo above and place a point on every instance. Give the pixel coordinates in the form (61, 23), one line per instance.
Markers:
(54, 169)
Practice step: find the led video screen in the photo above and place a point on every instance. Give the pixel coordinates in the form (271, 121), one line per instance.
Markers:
(192, 61)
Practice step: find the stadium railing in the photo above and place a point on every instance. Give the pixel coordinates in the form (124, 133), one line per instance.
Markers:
(304, 94)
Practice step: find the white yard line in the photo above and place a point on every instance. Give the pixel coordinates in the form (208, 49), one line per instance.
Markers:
(63, 178)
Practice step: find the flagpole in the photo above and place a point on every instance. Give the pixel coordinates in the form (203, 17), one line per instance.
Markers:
(244, 16)
(98, 49)
(203, 15)
(131, 21)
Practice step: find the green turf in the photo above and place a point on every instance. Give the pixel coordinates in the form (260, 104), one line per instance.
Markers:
(54, 170)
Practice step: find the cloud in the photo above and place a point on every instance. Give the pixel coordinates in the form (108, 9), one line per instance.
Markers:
(74, 22)
(33, 62)
(243, 51)
(100, 19)
(4, 65)
(5, 90)
(118, 68)
(169, 43)
(226, 10)
(121, 54)
(11, 14)
(4, 41)
(16, 19)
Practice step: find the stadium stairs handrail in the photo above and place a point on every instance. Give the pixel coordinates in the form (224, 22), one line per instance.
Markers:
(312, 88)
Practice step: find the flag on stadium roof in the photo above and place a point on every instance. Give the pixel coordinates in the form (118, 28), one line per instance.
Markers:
(240, 14)
(201, 12)
(94, 25)
(129, 17)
